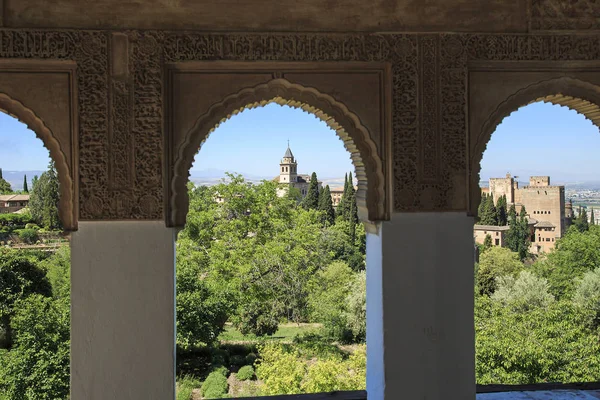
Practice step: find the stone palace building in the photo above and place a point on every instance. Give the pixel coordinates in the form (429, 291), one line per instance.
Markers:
(548, 214)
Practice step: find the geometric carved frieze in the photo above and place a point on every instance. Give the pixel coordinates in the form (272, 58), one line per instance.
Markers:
(420, 134)
(201, 95)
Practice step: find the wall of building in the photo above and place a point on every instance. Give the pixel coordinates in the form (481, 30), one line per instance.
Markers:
(498, 236)
(500, 187)
(545, 238)
(544, 203)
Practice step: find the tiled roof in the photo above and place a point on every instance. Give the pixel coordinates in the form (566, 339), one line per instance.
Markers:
(14, 197)
(544, 224)
(491, 228)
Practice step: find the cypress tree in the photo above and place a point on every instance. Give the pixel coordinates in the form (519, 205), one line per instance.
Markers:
(487, 243)
(512, 214)
(25, 189)
(581, 223)
(489, 216)
(44, 199)
(326, 205)
(311, 201)
(353, 214)
(343, 205)
(482, 204)
(592, 220)
(501, 213)
(518, 237)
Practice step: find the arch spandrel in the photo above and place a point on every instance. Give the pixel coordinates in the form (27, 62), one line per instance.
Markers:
(347, 125)
(575, 94)
(67, 207)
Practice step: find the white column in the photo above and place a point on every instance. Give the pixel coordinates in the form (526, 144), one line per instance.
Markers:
(123, 311)
(420, 325)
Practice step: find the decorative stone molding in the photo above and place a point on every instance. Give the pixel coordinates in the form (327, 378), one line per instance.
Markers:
(119, 104)
(67, 207)
(357, 140)
(575, 94)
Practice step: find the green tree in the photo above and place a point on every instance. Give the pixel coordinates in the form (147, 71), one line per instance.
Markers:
(495, 263)
(25, 189)
(540, 345)
(487, 242)
(592, 220)
(502, 213)
(587, 296)
(574, 254)
(329, 290)
(311, 201)
(482, 203)
(512, 214)
(4, 185)
(20, 277)
(44, 199)
(37, 367)
(202, 308)
(356, 303)
(524, 293)
(343, 207)
(326, 206)
(489, 215)
(581, 222)
(518, 236)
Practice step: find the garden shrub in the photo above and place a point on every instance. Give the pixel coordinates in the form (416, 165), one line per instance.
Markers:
(32, 226)
(251, 358)
(237, 360)
(215, 386)
(245, 373)
(29, 236)
(219, 357)
(185, 387)
(280, 371)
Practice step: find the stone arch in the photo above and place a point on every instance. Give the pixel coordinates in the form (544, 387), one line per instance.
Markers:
(580, 96)
(368, 165)
(67, 209)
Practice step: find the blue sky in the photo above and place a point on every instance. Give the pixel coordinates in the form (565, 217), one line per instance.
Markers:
(536, 139)
(544, 139)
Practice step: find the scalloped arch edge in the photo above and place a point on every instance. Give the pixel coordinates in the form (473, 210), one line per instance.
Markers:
(575, 94)
(357, 141)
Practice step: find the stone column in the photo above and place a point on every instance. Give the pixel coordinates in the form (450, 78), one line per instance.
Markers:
(420, 326)
(123, 311)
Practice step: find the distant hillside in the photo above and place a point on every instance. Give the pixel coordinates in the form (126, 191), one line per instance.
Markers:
(213, 176)
(15, 178)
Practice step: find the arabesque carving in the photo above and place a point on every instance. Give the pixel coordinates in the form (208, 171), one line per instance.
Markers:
(368, 165)
(432, 163)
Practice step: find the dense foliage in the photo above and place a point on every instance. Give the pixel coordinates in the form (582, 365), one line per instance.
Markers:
(35, 303)
(539, 322)
(254, 258)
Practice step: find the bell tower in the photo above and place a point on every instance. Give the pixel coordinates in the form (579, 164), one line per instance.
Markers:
(288, 172)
